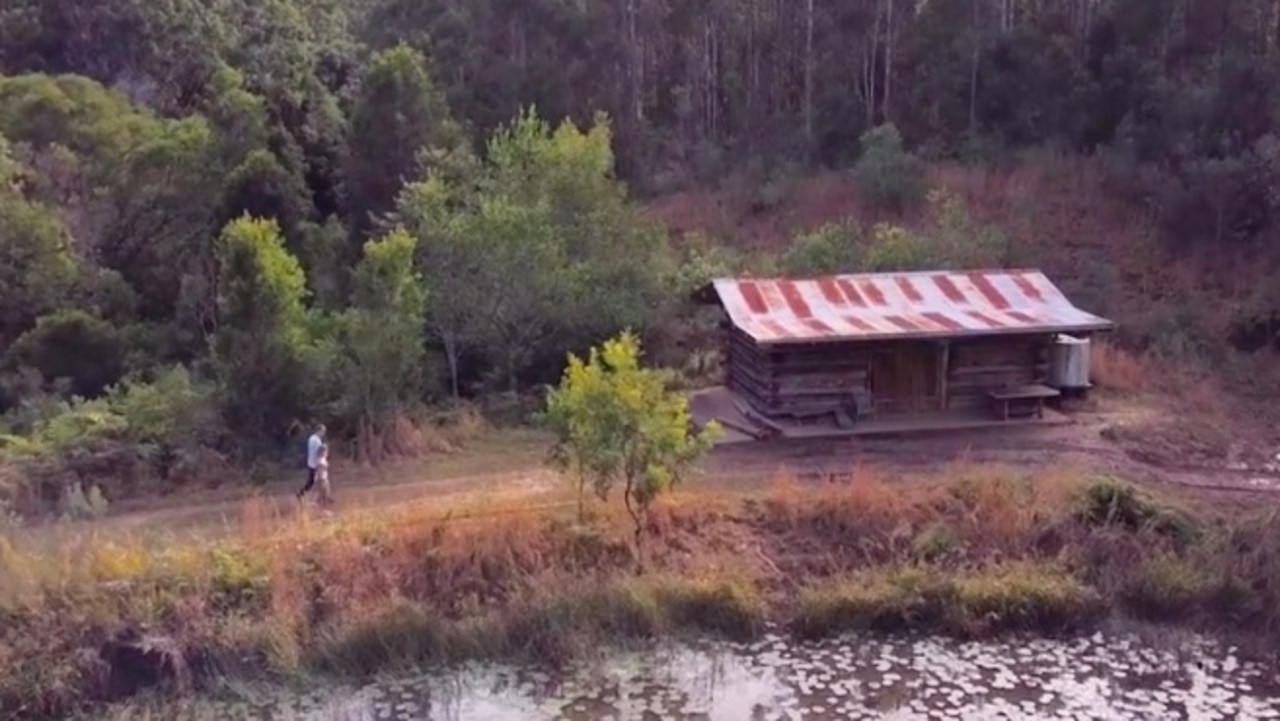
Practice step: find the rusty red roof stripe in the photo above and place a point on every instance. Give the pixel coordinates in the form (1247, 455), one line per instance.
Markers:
(873, 293)
(795, 301)
(775, 328)
(859, 323)
(815, 324)
(988, 291)
(909, 290)
(1022, 317)
(949, 289)
(850, 291)
(752, 295)
(1028, 288)
(991, 322)
(944, 321)
(831, 291)
(901, 322)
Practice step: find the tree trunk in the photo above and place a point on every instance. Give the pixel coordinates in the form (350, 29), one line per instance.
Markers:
(973, 71)
(636, 519)
(888, 62)
(582, 492)
(808, 75)
(511, 369)
(451, 357)
(869, 70)
(636, 61)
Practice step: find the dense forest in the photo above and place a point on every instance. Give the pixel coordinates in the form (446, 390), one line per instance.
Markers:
(220, 219)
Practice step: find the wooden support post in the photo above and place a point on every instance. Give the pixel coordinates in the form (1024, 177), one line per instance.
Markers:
(944, 363)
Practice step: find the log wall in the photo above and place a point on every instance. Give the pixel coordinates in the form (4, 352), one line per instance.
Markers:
(977, 366)
(799, 379)
(903, 376)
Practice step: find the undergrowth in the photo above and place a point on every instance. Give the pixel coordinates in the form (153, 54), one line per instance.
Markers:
(1013, 597)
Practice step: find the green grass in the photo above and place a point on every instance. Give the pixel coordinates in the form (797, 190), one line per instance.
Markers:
(1013, 597)
(550, 627)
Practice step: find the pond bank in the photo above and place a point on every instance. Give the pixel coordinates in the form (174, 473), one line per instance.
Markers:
(979, 553)
(1113, 675)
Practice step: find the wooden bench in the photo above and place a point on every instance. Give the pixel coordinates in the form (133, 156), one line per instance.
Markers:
(1013, 401)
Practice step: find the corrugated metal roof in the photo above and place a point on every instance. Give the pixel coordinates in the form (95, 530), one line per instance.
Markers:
(901, 305)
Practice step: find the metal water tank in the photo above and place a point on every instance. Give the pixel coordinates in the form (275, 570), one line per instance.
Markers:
(1069, 363)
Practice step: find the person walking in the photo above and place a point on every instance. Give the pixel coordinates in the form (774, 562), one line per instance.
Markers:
(322, 476)
(314, 445)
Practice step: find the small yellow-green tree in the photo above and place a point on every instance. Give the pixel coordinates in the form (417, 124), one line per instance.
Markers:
(617, 421)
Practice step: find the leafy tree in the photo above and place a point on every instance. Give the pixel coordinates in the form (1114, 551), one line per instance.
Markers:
(497, 270)
(581, 414)
(37, 264)
(132, 188)
(261, 336)
(262, 188)
(397, 112)
(888, 175)
(618, 421)
(74, 346)
(546, 209)
(321, 249)
(383, 340)
(436, 211)
(237, 115)
(613, 254)
(521, 278)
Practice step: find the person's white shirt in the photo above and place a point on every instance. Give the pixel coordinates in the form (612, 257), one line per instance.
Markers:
(313, 450)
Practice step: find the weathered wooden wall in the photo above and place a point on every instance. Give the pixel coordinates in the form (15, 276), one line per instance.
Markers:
(976, 366)
(796, 379)
(903, 376)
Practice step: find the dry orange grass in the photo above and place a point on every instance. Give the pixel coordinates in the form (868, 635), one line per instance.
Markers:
(1116, 369)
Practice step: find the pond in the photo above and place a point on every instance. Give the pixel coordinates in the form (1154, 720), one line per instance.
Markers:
(1111, 676)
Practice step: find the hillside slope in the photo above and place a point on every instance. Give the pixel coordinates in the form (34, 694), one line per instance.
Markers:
(1060, 214)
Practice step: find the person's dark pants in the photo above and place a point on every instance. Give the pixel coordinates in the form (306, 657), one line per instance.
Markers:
(311, 481)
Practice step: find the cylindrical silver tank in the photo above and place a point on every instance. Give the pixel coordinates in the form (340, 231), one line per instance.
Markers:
(1069, 363)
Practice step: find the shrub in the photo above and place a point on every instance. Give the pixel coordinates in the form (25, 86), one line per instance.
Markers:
(886, 174)
(897, 249)
(828, 250)
(1023, 597)
(933, 542)
(991, 600)
(732, 608)
(1166, 587)
(958, 240)
(1107, 502)
(891, 600)
(401, 636)
(137, 430)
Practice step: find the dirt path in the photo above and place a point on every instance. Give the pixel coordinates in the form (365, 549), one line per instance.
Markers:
(1083, 445)
(507, 471)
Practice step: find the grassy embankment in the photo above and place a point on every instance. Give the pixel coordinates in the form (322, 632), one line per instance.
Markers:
(979, 552)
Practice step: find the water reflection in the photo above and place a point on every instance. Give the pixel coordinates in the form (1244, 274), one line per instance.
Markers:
(1101, 677)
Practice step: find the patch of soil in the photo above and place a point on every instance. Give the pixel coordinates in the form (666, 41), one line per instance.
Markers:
(1143, 446)
(1174, 443)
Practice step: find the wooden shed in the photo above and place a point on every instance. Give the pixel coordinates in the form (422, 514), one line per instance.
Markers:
(894, 343)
